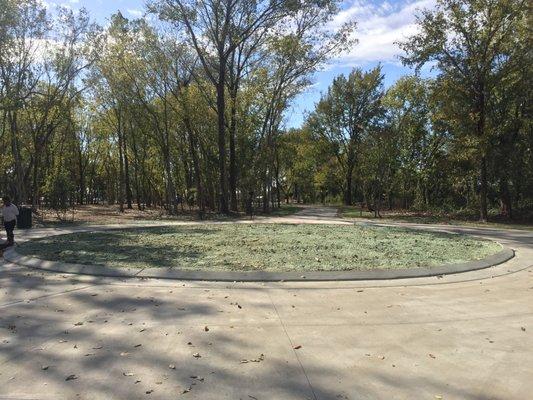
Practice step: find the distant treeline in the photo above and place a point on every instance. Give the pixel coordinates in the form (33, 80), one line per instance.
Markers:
(188, 107)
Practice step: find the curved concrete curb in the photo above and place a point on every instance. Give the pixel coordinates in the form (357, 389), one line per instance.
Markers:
(256, 276)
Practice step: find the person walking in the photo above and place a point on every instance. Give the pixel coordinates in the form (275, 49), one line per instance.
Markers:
(9, 213)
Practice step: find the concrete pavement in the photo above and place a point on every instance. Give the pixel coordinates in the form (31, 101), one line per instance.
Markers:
(463, 336)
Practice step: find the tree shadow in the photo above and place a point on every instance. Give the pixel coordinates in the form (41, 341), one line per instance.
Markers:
(92, 327)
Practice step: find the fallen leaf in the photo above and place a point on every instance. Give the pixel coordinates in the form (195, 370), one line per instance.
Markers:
(71, 377)
(256, 360)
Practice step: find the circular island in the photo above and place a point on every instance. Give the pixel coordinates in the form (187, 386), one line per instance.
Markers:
(224, 250)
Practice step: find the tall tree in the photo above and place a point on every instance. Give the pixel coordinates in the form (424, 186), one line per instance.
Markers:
(216, 29)
(472, 43)
(345, 114)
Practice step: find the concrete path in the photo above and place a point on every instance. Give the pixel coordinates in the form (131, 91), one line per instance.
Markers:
(464, 336)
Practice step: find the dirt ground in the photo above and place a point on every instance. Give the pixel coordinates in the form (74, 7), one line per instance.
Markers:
(105, 214)
(111, 214)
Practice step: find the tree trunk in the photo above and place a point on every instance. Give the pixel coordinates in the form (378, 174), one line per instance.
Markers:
(35, 180)
(136, 173)
(265, 196)
(483, 217)
(232, 154)
(221, 109)
(129, 194)
(350, 164)
(483, 167)
(348, 190)
(505, 199)
(196, 165)
(81, 198)
(20, 192)
(170, 189)
(121, 170)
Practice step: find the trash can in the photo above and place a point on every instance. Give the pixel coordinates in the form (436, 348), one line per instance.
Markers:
(24, 218)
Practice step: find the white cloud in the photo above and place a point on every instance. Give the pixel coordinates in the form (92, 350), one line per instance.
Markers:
(44, 3)
(379, 25)
(135, 12)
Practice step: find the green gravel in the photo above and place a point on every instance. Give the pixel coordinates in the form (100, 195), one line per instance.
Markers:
(265, 247)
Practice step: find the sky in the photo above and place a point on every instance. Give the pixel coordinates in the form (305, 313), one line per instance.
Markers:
(380, 23)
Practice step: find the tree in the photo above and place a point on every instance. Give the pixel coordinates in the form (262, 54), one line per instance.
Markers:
(472, 43)
(217, 29)
(418, 143)
(344, 116)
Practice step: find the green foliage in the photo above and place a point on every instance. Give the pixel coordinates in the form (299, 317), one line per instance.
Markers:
(345, 116)
(59, 190)
(141, 114)
(479, 47)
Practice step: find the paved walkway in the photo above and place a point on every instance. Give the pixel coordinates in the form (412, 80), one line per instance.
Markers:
(465, 336)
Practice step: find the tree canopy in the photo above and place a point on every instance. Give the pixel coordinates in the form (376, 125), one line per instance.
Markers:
(187, 109)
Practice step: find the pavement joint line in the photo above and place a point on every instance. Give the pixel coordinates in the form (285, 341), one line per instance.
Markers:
(407, 323)
(292, 346)
(56, 294)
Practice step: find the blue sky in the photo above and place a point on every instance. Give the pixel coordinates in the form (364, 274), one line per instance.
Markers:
(380, 24)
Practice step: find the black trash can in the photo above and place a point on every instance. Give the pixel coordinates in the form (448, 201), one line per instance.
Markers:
(24, 218)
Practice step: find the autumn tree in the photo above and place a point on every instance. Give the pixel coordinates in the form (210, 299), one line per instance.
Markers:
(344, 116)
(473, 44)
